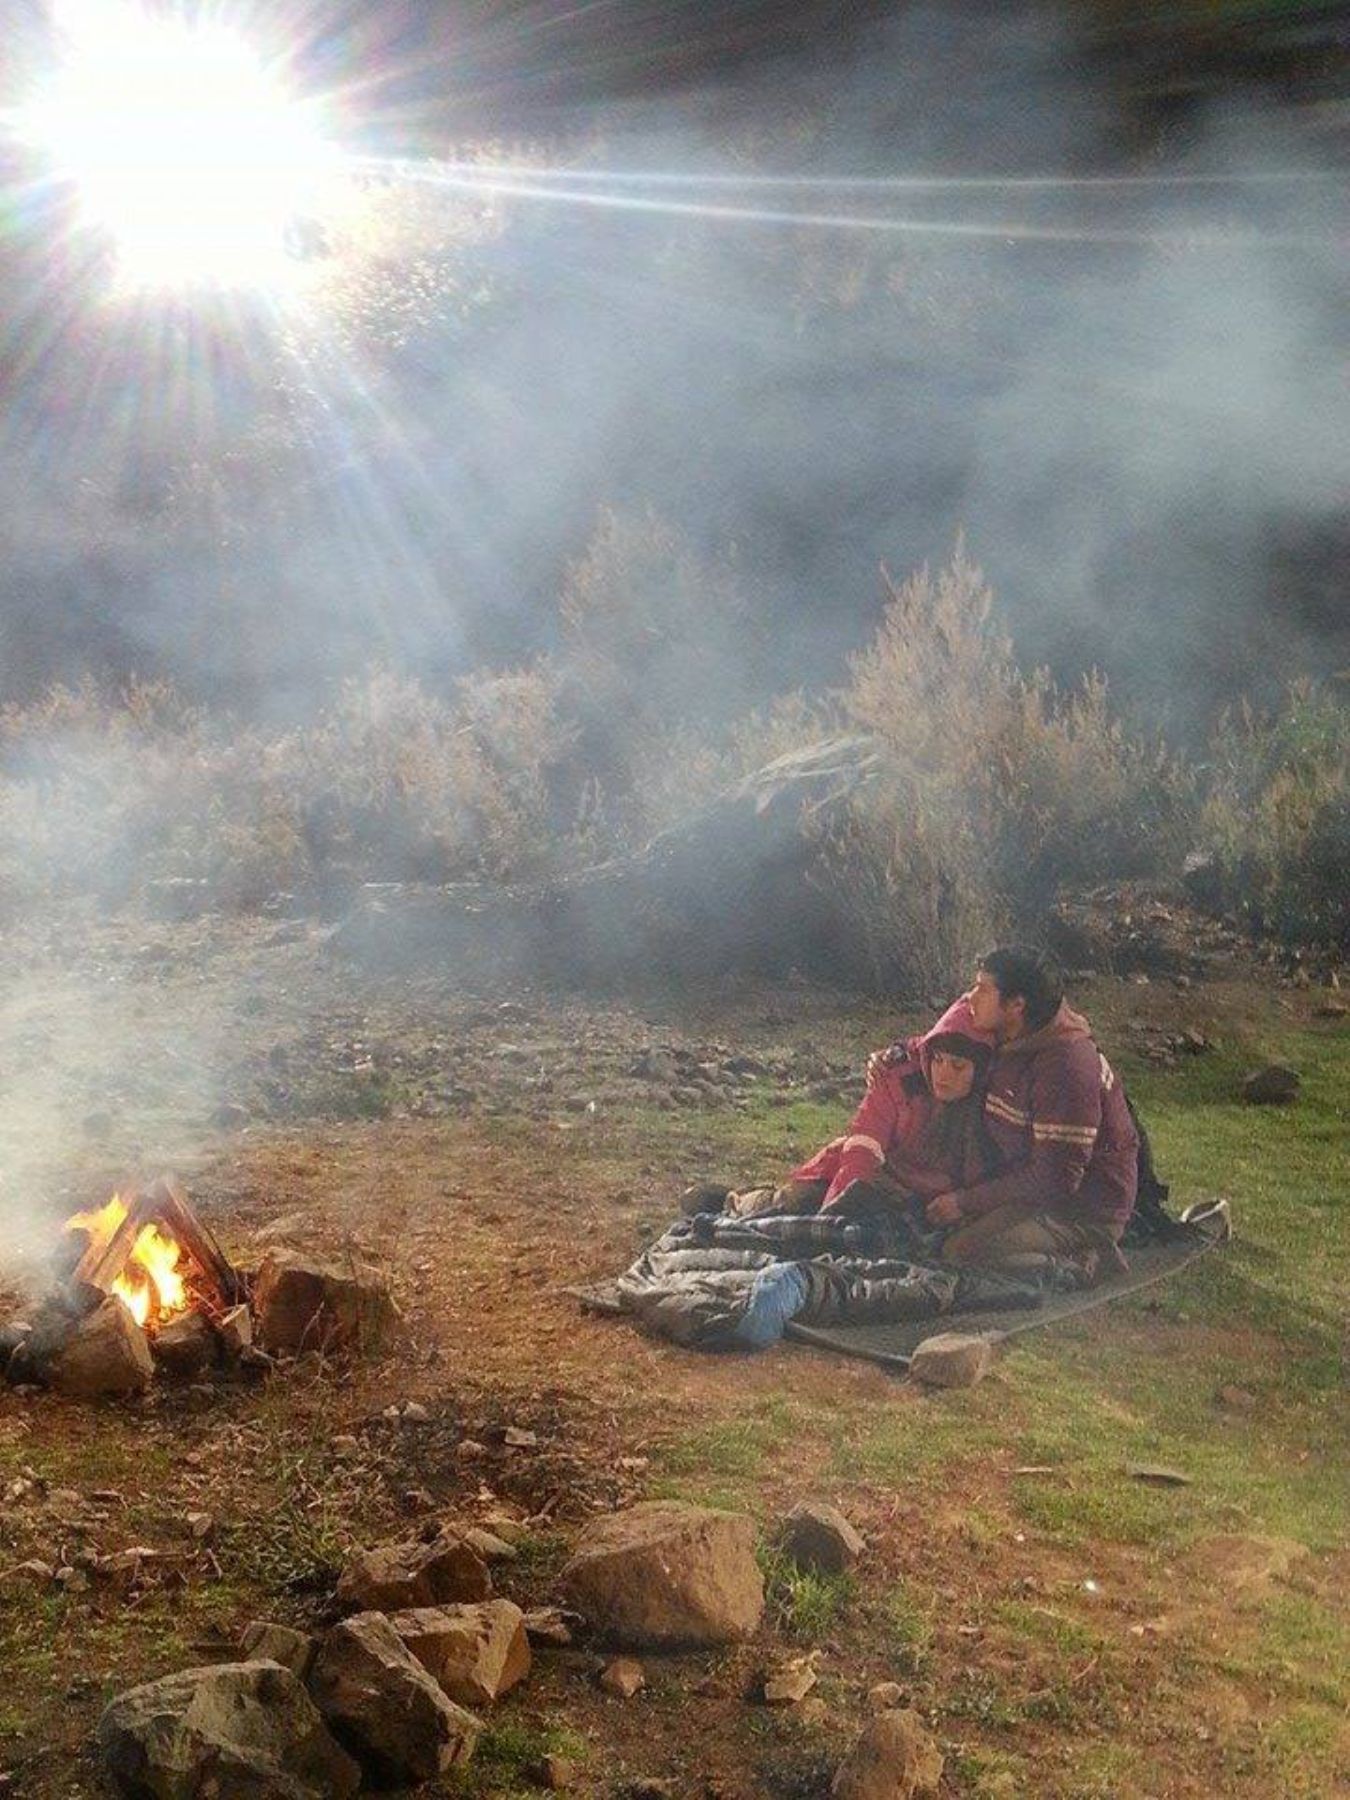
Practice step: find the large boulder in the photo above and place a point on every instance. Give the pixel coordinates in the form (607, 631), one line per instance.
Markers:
(475, 1653)
(303, 1304)
(238, 1729)
(394, 1577)
(665, 1575)
(383, 1705)
(894, 1759)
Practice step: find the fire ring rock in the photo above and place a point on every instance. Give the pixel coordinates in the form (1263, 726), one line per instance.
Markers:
(382, 1703)
(106, 1353)
(665, 1575)
(239, 1728)
(302, 1304)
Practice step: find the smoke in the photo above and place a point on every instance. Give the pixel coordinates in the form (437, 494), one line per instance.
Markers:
(742, 309)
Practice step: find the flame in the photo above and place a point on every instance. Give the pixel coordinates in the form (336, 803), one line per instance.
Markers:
(150, 1285)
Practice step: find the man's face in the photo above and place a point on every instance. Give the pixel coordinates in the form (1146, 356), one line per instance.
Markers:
(951, 1076)
(991, 1012)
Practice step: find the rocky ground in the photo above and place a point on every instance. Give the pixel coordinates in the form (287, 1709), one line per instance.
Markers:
(1060, 1626)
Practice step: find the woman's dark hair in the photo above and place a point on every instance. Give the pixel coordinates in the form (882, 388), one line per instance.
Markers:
(1021, 973)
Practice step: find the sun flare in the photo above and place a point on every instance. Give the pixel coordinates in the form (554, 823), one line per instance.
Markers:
(180, 143)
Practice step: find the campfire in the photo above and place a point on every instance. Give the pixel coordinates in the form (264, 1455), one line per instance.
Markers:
(143, 1284)
(156, 1256)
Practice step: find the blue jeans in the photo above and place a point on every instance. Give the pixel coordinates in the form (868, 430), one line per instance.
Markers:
(777, 1295)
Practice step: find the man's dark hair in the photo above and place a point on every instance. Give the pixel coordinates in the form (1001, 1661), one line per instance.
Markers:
(1021, 973)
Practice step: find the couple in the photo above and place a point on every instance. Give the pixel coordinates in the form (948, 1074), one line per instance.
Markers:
(1003, 1127)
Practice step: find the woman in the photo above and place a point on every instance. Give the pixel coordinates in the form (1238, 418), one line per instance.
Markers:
(918, 1131)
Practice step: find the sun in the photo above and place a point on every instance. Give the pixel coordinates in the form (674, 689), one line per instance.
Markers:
(180, 143)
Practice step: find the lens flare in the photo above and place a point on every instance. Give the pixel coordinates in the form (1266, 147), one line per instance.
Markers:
(180, 144)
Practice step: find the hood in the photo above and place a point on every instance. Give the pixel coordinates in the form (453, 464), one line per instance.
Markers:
(1062, 1029)
(956, 1018)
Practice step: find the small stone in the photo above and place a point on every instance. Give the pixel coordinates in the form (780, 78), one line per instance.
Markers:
(414, 1413)
(1156, 1475)
(394, 1577)
(516, 1439)
(623, 1676)
(554, 1773)
(200, 1524)
(951, 1359)
(548, 1625)
(1275, 1085)
(346, 1446)
(820, 1539)
(492, 1549)
(886, 1696)
(790, 1681)
(895, 1758)
(229, 1116)
(264, 1641)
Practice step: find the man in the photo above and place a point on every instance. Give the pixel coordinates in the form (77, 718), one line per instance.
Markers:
(1055, 1111)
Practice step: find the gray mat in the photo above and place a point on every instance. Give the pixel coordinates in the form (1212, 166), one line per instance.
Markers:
(892, 1345)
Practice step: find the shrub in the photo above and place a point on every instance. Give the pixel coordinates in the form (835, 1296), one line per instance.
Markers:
(1277, 815)
(995, 789)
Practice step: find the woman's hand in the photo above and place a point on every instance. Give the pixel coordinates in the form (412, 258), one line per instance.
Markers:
(944, 1210)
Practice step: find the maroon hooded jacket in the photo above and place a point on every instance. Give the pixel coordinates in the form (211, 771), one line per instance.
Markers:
(1055, 1111)
(891, 1128)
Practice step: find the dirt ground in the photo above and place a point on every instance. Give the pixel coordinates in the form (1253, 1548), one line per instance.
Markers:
(489, 1150)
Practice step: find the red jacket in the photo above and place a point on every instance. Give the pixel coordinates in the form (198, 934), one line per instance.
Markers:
(1055, 1111)
(890, 1128)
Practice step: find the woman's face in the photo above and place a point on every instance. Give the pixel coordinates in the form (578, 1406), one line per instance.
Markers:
(952, 1076)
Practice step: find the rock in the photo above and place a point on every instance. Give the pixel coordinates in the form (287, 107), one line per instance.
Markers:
(951, 1359)
(474, 1653)
(1332, 1009)
(239, 1728)
(105, 1353)
(664, 1575)
(302, 1304)
(886, 1696)
(1156, 1475)
(820, 1539)
(1275, 1085)
(894, 1759)
(491, 1548)
(379, 1701)
(229, 1116)
(262, 1641)
(548, 1625)
(235, 1330)
(554, 1773)
(623, 1676)
(186, 1345)
(789, 1681)
(397, 1577)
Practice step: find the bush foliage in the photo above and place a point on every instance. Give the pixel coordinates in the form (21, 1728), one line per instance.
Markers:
(993, 788)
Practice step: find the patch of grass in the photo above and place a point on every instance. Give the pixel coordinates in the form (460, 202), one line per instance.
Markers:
(906, 1630)
(508, 1754)
(725, 1456)
(292, 1548)
(804, 1605)
(1042, 1625)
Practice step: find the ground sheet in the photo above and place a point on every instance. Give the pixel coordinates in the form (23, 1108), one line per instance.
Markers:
(893, 1344)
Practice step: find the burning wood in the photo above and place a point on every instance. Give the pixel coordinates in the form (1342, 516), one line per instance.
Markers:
(154, 1254)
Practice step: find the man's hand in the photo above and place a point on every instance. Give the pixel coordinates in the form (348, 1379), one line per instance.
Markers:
(881, 1060)
(944, 1210)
